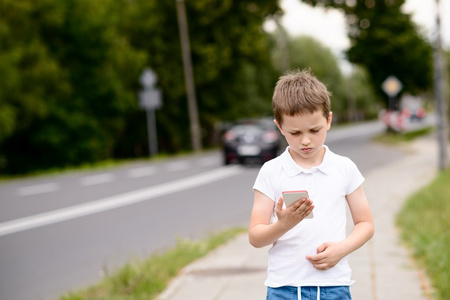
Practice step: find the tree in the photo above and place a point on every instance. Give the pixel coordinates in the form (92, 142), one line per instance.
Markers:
(69, 82)
(386, 42)
(306, 52)
(230, 53)
(363, 102)
(353, 97)
(70, 72)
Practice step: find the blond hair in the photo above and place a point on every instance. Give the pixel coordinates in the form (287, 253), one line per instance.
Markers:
(299, 92)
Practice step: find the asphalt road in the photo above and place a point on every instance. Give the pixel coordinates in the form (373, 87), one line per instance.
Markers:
(61, 233)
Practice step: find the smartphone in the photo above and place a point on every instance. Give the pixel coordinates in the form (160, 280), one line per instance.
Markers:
(292, 196)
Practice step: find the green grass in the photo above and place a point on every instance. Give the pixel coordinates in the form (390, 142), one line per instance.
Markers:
(425, 227)
(104, 164)
(147, 279)
(402, 137)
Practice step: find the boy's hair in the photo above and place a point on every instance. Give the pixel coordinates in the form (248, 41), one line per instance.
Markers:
(299, 92)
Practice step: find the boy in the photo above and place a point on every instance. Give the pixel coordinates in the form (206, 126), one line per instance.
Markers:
(308, 259)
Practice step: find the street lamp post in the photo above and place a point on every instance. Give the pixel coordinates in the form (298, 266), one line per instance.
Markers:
(440, 94)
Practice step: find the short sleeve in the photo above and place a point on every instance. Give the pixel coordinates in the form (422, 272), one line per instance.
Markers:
(264, 181)
(355, 178)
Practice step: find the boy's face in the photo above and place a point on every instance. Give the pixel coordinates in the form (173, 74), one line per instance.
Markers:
(305, 134)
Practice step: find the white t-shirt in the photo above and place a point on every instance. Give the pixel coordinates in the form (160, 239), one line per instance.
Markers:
(327, 186)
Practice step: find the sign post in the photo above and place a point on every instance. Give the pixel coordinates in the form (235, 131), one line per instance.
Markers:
(150, 99)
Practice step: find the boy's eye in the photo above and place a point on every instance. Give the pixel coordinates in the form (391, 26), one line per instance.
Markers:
(314, 130)
(295, 133)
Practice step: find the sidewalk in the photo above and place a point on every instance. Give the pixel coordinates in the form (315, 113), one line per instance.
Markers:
(382, 268)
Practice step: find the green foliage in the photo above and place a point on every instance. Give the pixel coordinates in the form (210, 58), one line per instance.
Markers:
(306, 52)
(352, 97)
(230, 56)
(146, 279)
(70, 70)
(68, 86)
(425, 223)
(386, 42)
(363, 101)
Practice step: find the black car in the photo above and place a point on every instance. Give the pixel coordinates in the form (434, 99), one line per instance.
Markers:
(251, 140)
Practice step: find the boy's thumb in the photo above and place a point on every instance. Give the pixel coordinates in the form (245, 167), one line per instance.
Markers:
(280, 204)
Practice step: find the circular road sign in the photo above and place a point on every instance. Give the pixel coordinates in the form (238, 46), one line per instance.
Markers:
(148, 78)
(392, 86)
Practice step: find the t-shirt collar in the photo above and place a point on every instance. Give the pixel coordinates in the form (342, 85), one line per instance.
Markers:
(292, 168)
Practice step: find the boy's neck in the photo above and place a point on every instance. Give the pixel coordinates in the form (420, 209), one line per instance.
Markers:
(308, 163)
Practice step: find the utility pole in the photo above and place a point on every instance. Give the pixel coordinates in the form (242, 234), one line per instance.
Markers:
(440, 94)
(189, 77)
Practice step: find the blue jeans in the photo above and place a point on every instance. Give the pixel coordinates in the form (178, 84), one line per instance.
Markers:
(309, 293)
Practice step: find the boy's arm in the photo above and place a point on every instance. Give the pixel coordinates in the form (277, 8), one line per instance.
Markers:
(329, 254)
(261, 233)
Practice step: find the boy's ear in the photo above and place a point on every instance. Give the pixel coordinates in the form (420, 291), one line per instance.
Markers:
(276, 123)
(330, 118)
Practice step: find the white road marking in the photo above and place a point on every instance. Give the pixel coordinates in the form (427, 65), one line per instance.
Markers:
(117, 201)
(38, 189)
(142, 172)
(97, 179)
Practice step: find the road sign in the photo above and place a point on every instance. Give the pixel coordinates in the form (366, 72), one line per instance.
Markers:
(392, 86)
(150, 99)
(148, 78)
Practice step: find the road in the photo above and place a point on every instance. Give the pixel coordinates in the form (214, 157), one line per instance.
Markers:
(64, 232)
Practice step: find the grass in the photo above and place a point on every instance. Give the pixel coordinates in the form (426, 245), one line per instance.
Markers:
(425, 224)
(147, 279)
(402, 137)
(104, 164)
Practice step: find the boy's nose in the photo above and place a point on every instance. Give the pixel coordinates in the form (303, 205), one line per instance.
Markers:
(306, 141)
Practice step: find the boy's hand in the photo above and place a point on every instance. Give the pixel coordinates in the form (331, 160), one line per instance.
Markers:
(328, 255)
(295, 213)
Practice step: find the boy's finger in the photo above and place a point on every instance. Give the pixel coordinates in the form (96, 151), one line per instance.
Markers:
(321, 266)
(305, 208)
(322, 248)
(280, 204)
(314, 258)
(301, 203)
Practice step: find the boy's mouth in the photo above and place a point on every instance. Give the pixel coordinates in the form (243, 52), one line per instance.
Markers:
(306, 150)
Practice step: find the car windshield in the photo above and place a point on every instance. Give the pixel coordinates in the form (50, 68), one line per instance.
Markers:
(246, 129)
